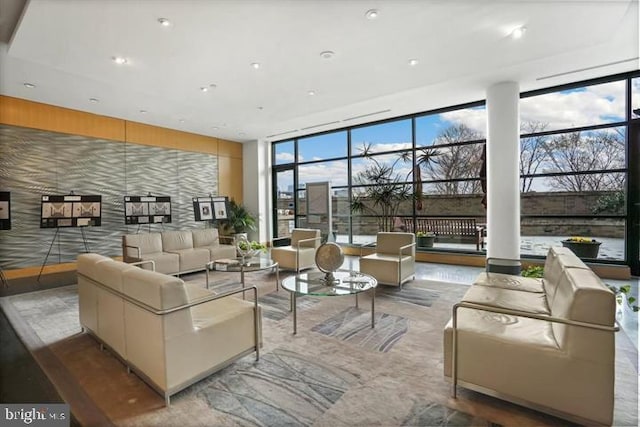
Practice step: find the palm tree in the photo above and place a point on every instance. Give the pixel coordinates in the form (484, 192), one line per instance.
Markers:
(384, 189)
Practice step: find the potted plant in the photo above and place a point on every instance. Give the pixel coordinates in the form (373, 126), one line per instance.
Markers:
(622, 293)
(425, 239)
(583, 247)
(239, 220)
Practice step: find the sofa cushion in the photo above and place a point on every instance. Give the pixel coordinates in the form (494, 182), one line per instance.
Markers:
(192, 259)
(177, 240)
(532, 302)
(87, 265)
(157, 290)
(558, 258)
(111, 274)
(509, 281)
(149, 243)
(206, 237)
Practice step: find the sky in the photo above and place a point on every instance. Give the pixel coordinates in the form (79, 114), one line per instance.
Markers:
(591, 105)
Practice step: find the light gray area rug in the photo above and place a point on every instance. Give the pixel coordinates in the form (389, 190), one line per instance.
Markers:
(336, 371)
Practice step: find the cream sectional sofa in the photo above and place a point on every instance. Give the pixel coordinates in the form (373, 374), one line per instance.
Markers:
(544, 343)
(171, 333)
(176, 252)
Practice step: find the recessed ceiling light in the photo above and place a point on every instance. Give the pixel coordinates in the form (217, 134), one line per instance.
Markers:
(29, 85)
(311, 92)
(215, 128)
(204, 89)
(372, 14)
(181, 120)
(119, 60)
(255, 65)
(94, 100)
(164, 22)
(518, 32)
(413, 62)
(143, 111)
(327, 54)
(213, 86)
(260, 108)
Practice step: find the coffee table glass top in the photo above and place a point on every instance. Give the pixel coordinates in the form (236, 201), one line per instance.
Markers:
(250, 264)
(346, 283)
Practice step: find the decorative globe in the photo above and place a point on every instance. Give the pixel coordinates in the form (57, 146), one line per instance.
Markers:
(329, 258)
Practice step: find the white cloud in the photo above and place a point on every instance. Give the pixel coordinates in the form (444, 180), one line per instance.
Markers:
(474, 118)
(383, 147)
(559, 110)
(285, 157)
(335, 172)
(587, 107)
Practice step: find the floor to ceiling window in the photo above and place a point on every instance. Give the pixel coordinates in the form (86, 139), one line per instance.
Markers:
(573, 167)
(575, 170)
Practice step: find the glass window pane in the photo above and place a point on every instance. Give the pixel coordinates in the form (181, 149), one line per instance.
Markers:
(574, 152)
(334, 171)
(389, 136)
(458, 161)
(468, 124)
(284, 184)
(441, 198)
(320, 147)
(635, 98)
(283, 152)
(599, 183)
(538, 234)
(284, 201)
(584, 106)
(396, 167)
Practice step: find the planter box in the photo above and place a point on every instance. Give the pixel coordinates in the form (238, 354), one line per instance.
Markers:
(425, 241)
(583, 249)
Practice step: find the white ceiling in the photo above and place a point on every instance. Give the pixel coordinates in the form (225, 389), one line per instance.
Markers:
(65, 48)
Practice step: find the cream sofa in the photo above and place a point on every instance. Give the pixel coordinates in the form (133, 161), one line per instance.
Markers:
(393, 262)
(171, 333)
(176, 252)
(301, 253)
(545, 343)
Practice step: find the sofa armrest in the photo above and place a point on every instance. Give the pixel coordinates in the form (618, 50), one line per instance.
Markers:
(404, 248)
(507, 311)
(150, 261)
(307, 240)
(137, 248)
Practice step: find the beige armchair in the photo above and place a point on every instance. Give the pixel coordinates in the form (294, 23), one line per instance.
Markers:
(393, 263)
(301, 253)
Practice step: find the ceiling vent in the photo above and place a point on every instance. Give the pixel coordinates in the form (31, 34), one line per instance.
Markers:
(282, 133)
(320, 125)
(365, 115)
(588, 68)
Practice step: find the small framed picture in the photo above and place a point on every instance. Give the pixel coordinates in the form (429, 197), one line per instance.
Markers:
(205, 211)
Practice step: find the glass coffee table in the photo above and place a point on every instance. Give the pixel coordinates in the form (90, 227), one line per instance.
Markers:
(345, 283)
(238, 266)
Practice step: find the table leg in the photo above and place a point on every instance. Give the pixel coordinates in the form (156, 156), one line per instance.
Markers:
(295, 318)
(356, 300)
(277, 277)
(207, 276)
(242, 280)
(373, 307)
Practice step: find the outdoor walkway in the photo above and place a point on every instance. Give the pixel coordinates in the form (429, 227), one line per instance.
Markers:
(610, 249)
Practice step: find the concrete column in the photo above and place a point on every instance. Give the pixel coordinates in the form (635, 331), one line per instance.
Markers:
(256, 186)
(503, 190)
